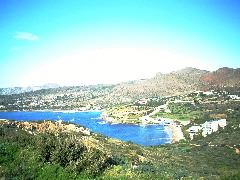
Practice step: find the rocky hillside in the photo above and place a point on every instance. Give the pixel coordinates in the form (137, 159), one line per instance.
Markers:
(175, 83)
(179, 82)
(223, 77)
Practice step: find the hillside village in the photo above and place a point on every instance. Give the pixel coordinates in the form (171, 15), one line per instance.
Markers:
(67, 98)
(177, 83)
(203, 118)
(187, 115)
(202, 112)
(120, 90)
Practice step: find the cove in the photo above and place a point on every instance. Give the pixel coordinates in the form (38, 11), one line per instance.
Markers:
(148, 135)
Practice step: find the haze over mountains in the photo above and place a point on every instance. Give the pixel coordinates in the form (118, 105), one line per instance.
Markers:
(177, 82)
(19, 90)
(183, 81)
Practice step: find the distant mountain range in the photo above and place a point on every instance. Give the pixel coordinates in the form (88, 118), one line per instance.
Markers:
(182, 81)
(19, 90)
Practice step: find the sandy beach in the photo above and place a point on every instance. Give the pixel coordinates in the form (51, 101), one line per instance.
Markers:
(177, 133)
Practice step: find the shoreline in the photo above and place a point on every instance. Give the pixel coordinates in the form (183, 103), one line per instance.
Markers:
(49, 110)
(173, 130)
(47, 126)
(176, 132)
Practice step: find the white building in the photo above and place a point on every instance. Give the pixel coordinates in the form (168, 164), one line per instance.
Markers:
(222, 123)
(208, 93)
(207, 128)
(212, 126)
(142, 101)
(234, 97)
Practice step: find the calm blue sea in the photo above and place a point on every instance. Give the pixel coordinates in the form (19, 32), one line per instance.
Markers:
(149, 135)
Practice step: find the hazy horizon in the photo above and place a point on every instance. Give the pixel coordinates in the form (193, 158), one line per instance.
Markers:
(107, 42)
(114, 83)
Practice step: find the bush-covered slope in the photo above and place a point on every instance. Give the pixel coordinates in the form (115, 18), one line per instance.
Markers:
(70, 155)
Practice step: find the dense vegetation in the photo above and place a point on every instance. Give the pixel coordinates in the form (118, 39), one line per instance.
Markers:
(25, 155)
(46, 156)
(66, 156)
(181, 111)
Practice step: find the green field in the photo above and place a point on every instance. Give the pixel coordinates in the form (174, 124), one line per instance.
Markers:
(180, 117)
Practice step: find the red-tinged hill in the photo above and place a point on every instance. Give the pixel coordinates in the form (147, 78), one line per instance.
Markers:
(178, 82)
(223, 77)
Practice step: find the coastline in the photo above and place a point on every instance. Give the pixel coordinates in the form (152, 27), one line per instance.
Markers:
(47, 126)
(176, 132)
(49, 110)
(172, 129)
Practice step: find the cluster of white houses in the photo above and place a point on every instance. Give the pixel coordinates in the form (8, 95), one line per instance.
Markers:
(207, 128)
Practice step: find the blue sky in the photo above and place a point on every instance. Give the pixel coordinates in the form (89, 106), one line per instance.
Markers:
(105, 41)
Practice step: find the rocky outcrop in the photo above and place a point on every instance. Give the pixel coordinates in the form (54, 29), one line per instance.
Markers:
(46, 126)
